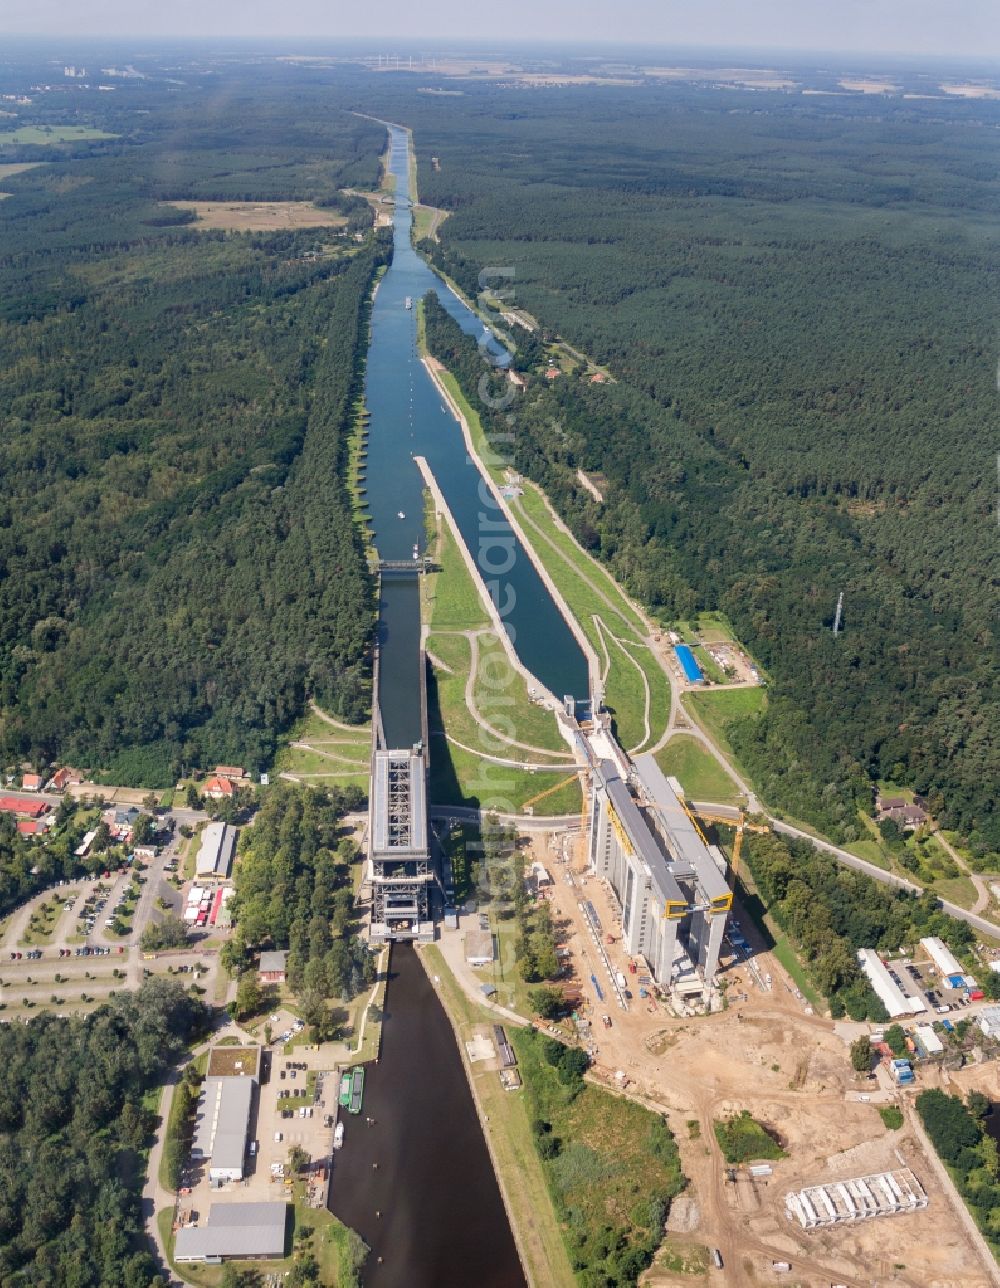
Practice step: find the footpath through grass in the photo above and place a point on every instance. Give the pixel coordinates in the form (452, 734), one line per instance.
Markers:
(589, 590)
(716, 709)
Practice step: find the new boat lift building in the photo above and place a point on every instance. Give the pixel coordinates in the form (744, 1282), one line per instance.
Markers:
(673, 897)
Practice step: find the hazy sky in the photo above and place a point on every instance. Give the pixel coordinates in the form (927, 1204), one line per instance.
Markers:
(879, 26)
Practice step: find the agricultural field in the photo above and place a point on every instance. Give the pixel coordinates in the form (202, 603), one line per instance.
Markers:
(45, 134)
(260, 216)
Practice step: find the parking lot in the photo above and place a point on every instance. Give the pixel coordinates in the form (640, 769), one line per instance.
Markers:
(923, 980)
(296, 1107)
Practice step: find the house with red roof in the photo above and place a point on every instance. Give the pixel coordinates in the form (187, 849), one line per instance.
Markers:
(219, 788)
(32, 826)
(64, 778)
(31, 782)
(18, 805)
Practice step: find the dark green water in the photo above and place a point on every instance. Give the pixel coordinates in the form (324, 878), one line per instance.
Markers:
(409, 418)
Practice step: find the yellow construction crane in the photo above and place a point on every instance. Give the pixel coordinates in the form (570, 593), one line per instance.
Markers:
(739, 823)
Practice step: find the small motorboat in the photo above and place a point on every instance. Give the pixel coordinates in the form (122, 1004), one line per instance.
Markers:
(400, 515)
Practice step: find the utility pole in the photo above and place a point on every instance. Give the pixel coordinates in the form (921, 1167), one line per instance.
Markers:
(840, 611)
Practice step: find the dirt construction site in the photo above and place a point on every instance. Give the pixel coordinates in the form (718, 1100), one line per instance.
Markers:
(767, 1053)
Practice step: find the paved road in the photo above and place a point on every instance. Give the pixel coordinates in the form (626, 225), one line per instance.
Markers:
(982, 924)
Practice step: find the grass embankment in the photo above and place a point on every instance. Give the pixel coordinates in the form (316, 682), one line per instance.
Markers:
(716, 710)
(459, 774)
(612, 1166)
(508, 1130)
(742, 1139)
(426, 221)
(636, 687)
(328, 754)
(700, 774)
(778, 942)
(589, 591)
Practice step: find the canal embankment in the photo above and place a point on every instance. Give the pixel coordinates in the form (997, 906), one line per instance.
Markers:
(433, 369)
(507, 1130)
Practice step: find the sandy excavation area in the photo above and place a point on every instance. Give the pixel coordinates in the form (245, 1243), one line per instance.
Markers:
(791, 1070)
(260, 216)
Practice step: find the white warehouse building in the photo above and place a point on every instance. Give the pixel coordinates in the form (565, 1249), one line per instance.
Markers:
(892, 997)
(941, 955)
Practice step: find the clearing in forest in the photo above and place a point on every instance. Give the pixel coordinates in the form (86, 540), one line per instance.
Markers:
(45, 134)
(260, 216)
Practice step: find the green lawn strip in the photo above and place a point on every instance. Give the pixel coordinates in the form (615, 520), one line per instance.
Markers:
(45, 134)
(614, 1163)
(788, 958)
(715, 628)
(296, 760)
(699, 773)
(470, 780)
(715, 710)
(871, 852)
(519, 1167)
(511, 707)
(782, 945)
(742, 1139)
(534, 505)
(501, 696)
(452, 597)
(568, 565)
(958, 890)
(892, 1116)
(710, 668)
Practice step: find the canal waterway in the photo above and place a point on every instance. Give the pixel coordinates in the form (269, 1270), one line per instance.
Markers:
(417, 1182)
(409, 418)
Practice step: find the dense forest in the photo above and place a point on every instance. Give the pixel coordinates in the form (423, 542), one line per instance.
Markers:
(959, 1133)
(294, 890)
(74, 1124)
(178, 565)
(830, 911)
(796, 300)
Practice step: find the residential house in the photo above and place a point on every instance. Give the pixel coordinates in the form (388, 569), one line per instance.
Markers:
(31, 782)
(64, 778)
(272, 967)
(219, 788)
